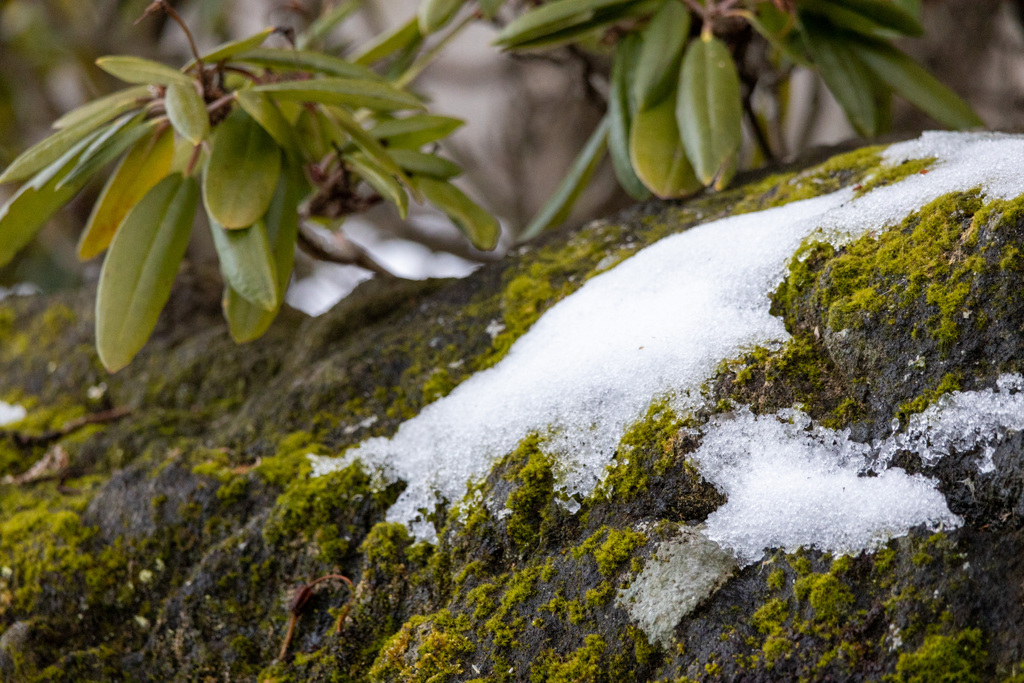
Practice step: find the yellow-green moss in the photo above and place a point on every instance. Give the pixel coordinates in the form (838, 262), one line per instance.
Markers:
(385, 548)
(958, 658)
(828, 597)
(645, 450)
(585, 665)
(889, 175)
(530, 500)
(776, 580)
(441, 649)
(950, 382)
(610, 547)
(507, 623)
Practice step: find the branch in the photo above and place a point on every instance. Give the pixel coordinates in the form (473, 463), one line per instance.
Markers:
(338, 250)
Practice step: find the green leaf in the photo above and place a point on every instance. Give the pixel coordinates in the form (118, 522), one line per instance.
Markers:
(870, 17)
(778, 28)
(60, 167)
(107, 147)
(709, 110)
(187, 112)
(247, 321)
(243, 170)
(139, 70)
(144, 257)
(433, 15)
(846, 76)
(234, 47)
(557, 209)
(46, 151)
(916, 85)
(619, 118)
(266, 112)
(490, 7)
(382, 182)
(657, 152)
(400, 38)
(301, 60)
(480, 227)
(24, 213)
(145, 165)
(425, 164)
(326, 22)
(415, 131)
(551, 18)
(106, 108)
(660, 53)
(367, 144)
(247, 263)
(344, 91)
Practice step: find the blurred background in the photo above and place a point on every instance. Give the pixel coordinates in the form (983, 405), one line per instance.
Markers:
(527, 115)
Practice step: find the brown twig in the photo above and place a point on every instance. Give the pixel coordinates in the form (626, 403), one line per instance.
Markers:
(25, 440)
(339, 250)
(165, 7)
(302, 597)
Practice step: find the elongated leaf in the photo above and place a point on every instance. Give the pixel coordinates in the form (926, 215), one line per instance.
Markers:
(371, 147)
(395, 41)
(916, 85)
(433, 15)
(709, 110)
(301, 60)
(105, 108)
(425, 164)
(379, 179)
(480, 227)
(187, 112)
(247, 263)
(490, 7)
(324, 24)
(557, 209)
(247, 321)
(46, 151)
(60, 167)
(551, 18)
(146, 164)
(23, 214)
(657, 152)
(660, 53)
(870, 17)
(778, 28)
(140, 268)
(619, 118)
(846, 76)
(106, 149)
(415, 131)
(344, 91)
(230, 49)
(243, 170)
(266, 112)
(143, 71)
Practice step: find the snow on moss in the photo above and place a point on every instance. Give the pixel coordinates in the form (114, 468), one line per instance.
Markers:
(10, 414)
(658, 324)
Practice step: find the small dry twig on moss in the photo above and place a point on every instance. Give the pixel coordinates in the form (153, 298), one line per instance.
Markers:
(302, 596)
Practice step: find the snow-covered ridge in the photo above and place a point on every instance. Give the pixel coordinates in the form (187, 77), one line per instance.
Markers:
(658, 324)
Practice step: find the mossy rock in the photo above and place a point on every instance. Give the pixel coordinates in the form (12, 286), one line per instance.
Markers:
(173, 545)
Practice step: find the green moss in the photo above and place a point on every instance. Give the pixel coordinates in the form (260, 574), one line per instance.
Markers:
(610, 547)
(776, 580)
(889, 175)
(828, 597)
(572, 611)
(507, 622)
(943, 659)
(531, 499)
(645, 450)
(441, 649)
(950, 382)
(771, 616)
(600, 595)
(585, 665)
(385, 548)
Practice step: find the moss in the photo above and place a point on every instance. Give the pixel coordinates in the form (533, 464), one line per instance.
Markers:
(507, 623)
(958, 658)
(385, 549)
(830, 600)
(585, 665)
(770, 617)
(599, 596)
(889, 175)
(776, 580)
(572, 611)
(839, 171)
(949, 382)
(610, 547)
(441, 650)
(530, 500)
(645, 450)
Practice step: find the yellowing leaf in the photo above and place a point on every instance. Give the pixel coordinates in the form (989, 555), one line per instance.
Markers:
(657, 154)
(140, 268)
(243, 170)
(187, 112)
(142, 71)
(145, 165)
(480, 227)
(709, 110)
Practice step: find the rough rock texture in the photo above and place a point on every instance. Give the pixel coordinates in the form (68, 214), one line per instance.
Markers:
(175, 545)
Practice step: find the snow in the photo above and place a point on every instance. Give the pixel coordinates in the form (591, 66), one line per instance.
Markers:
(658, 324)
(9, 414)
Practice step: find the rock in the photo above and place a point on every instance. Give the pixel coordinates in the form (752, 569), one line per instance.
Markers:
(181, 537)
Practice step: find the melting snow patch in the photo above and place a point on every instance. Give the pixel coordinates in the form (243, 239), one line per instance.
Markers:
(10, 414)
(659, 323)
(789, 486)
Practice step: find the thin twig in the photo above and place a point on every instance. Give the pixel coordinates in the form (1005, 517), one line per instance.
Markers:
(24, 440)
(302, 597)
(165, 7)
(340, 250)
